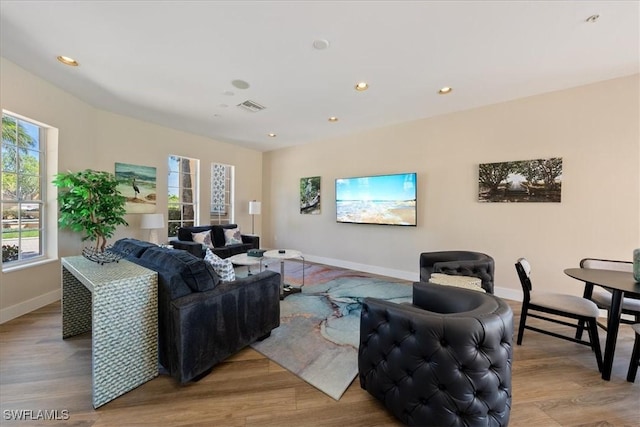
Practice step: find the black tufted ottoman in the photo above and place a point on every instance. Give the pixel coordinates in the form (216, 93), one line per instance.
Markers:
(443, 361)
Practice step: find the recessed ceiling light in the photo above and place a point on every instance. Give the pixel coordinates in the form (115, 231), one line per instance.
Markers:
(68, 61)
(272, 135)
(362, 86)
(333, 119)
(320, 44)
(445, 90)
(240, 84)
(593, 18)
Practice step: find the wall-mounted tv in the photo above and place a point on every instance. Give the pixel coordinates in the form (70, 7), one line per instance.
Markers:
(379, 199)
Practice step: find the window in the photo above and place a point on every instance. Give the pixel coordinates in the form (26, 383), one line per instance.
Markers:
(22, 174)
(222, 194)
(183, 193)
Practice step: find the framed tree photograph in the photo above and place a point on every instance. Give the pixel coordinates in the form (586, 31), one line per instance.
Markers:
(310, 195)
(537, 180)
(138, 184)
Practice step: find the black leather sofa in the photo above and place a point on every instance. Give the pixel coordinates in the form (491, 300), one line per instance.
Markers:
(201, 320)
(458, 263)
(443, 361)
(185, 241)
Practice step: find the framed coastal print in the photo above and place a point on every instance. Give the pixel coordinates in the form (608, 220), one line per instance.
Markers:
(310, 195)
(138, 185)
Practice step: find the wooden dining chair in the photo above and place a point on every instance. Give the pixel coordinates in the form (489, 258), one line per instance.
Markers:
(536, 305)
(602, 296)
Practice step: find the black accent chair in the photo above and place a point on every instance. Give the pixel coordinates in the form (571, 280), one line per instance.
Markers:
(444, 360)
(458, 263)
(581, 310)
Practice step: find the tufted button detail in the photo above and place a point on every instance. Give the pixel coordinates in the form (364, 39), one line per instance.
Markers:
(419, 371)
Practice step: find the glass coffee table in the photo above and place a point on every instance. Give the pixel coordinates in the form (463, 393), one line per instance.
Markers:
(282, 255)
(246, 260)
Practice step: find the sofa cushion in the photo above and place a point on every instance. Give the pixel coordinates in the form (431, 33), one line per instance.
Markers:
(217, 233)
(184, 233)
(196, 273)
(223, 267)
(203, 237)
(232, 236)
(131, 247)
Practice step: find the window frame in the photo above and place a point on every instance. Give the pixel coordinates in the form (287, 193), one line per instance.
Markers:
(20, 201)
(172, 223)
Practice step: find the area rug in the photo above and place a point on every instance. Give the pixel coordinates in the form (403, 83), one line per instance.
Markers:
(319, 328)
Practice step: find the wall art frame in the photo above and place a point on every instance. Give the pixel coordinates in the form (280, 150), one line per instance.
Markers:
(310, 195)
(137, 184)
(538, 180)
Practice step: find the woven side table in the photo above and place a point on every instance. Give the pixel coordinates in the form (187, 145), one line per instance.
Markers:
(119, 301)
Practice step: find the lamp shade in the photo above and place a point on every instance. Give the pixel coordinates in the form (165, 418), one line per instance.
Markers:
(254, 207)
(151, 221)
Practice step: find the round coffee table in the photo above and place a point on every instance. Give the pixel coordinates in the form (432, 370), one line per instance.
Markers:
(246, 260)
(282, 255)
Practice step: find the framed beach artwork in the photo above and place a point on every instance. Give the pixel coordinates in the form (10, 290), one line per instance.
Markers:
(310, 195)
(537, 180)
(138, 185)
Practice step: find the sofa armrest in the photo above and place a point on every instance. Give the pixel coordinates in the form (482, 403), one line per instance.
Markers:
(251, 239)
(208, 327)
(192, 247)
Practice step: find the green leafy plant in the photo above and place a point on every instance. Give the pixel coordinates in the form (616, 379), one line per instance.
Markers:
(9, 253)
(90, 203)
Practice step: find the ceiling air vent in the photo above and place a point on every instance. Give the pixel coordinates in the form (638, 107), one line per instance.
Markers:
(252, 106)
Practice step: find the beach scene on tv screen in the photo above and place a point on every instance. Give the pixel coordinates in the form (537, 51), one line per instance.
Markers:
(383, 199)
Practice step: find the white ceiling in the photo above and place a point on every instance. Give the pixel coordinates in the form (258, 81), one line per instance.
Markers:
(172, 62)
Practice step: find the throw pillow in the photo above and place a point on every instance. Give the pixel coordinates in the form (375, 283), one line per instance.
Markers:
(223, 267)
(467, 282)
(232, 236)
(204, 238)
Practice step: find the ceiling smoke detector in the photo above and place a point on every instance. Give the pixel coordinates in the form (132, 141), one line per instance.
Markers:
(252, 106)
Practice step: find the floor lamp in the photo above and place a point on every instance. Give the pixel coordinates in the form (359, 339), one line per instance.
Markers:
(152, 222)
(254, 209)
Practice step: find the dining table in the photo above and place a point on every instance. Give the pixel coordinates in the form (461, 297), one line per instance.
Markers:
(621, 284)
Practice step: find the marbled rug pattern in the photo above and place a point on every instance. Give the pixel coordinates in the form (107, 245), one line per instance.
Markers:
(319, 328)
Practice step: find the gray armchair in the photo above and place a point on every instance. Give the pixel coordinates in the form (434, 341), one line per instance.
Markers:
(443, 361)
(458, 263)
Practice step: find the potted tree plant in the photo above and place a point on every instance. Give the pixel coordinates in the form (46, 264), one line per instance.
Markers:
(90, 203)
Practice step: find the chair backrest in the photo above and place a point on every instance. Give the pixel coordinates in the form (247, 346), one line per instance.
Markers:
(606, 264)
(524, 272)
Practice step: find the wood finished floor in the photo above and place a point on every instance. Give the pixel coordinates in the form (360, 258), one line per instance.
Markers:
(555, 383)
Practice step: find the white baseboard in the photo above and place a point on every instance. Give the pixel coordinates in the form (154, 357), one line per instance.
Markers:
(28, 306)
(399, 274)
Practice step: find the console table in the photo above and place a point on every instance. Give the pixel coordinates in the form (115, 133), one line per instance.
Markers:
(119, 303)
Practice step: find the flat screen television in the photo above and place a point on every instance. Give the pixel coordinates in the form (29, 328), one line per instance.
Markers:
(379, 199)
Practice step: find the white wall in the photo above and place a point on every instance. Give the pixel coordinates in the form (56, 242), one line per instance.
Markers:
(595, 129)
(96, 139)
